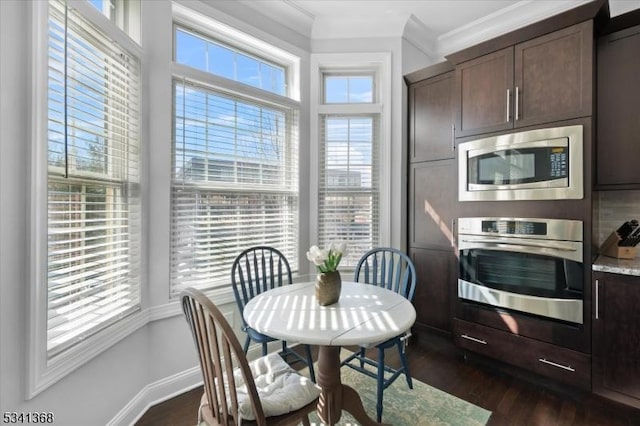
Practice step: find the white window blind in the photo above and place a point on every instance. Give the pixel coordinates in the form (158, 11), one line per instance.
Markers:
(349, 188)
(93, 180)
(235, 182)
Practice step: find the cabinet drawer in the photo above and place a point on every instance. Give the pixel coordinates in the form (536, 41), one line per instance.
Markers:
(561, 364)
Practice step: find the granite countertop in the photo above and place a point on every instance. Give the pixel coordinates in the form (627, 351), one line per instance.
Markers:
(617, 266)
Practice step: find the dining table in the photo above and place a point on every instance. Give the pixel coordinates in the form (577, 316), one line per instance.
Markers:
(364, 315)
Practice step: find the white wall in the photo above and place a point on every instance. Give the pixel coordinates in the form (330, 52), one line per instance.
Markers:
(414, 59)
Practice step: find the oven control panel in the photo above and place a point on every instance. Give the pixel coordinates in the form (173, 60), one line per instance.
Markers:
(538, 228)
(514, 227)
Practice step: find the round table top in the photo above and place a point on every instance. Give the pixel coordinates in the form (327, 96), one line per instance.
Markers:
(364, 315)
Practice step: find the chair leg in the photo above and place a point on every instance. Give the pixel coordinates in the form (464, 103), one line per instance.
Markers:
(405, 364)
(312, 373)
(284, 347)
(380, 384)
(246, 344)
(361, 357)
(305, 421)
(264, 349)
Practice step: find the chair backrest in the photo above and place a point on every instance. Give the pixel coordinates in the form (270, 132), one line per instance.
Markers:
(256, 270)
(389, 268)
(220, 352)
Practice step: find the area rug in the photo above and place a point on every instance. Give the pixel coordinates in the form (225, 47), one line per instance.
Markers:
(421, 406)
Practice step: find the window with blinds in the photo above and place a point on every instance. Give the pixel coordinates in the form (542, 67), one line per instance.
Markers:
(93, 180)
(348, 187)
(235, 182)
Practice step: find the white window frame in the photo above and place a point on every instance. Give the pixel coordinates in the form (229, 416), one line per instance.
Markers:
(205, 25)
(378, 63)
(190, 19)
(42, 371)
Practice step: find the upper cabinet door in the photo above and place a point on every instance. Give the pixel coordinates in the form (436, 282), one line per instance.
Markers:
(431, 110)
(554, 76)
(618, 144)
(484, 94)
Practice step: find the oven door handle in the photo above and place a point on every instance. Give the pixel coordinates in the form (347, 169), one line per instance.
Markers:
(522, 245)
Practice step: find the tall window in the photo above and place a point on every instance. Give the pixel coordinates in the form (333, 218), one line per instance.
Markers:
(235, 160)
(349, 166)
(93, 180)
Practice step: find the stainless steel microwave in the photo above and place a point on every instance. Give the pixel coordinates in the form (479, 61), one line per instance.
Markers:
(542, 164)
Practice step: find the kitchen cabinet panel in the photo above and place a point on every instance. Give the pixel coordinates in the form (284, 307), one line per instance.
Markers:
(436, 276)
(431, 110)
(618, 143)
(560, 364)
(543, 80)
(432, 195)
(483, 93)
(553, 76)
(616, 337)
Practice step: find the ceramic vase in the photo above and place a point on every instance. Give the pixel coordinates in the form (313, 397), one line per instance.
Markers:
(328, 286)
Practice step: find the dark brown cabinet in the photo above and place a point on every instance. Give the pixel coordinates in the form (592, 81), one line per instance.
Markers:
(618, 143)
(436, 271)
(616, 337)
(431, 204)
(483, 93)
(546, 79)
(561, 364)
(431, 132)
(431, 195)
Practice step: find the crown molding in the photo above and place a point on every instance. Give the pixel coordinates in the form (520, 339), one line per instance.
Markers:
(293, 15)
(418, 34)
(350, 27)
(516, 16)
(287, 12)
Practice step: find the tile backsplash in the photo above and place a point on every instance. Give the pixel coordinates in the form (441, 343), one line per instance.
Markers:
(614, 208)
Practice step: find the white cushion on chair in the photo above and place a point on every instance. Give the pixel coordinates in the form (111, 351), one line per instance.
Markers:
(281, 389)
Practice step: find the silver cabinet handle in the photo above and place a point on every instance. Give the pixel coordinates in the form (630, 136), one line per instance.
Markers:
(473, 339)
(453, 137)
(597, 299)
(453, 232)
(508, 100)
(564, 367)
(517, 101)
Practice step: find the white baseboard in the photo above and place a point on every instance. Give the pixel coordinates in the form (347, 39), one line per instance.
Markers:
(155, 393)
(170, 387)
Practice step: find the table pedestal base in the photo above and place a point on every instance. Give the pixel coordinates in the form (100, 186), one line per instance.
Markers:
(335, 396)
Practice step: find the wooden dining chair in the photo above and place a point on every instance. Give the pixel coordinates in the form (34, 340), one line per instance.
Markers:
(393, 270)
(266, 391)
(254, 271)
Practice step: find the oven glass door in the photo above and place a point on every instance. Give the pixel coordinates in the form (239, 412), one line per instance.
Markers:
(546, 165)
(522, 273)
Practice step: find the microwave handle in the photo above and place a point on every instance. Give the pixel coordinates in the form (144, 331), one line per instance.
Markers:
(541, 245)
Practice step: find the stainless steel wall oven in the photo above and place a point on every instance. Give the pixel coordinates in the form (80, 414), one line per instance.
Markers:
(526, 265)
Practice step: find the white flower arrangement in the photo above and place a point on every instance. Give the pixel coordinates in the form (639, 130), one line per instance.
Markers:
(327, 260)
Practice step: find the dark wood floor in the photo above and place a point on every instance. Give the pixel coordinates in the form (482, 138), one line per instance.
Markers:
(513, 396)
